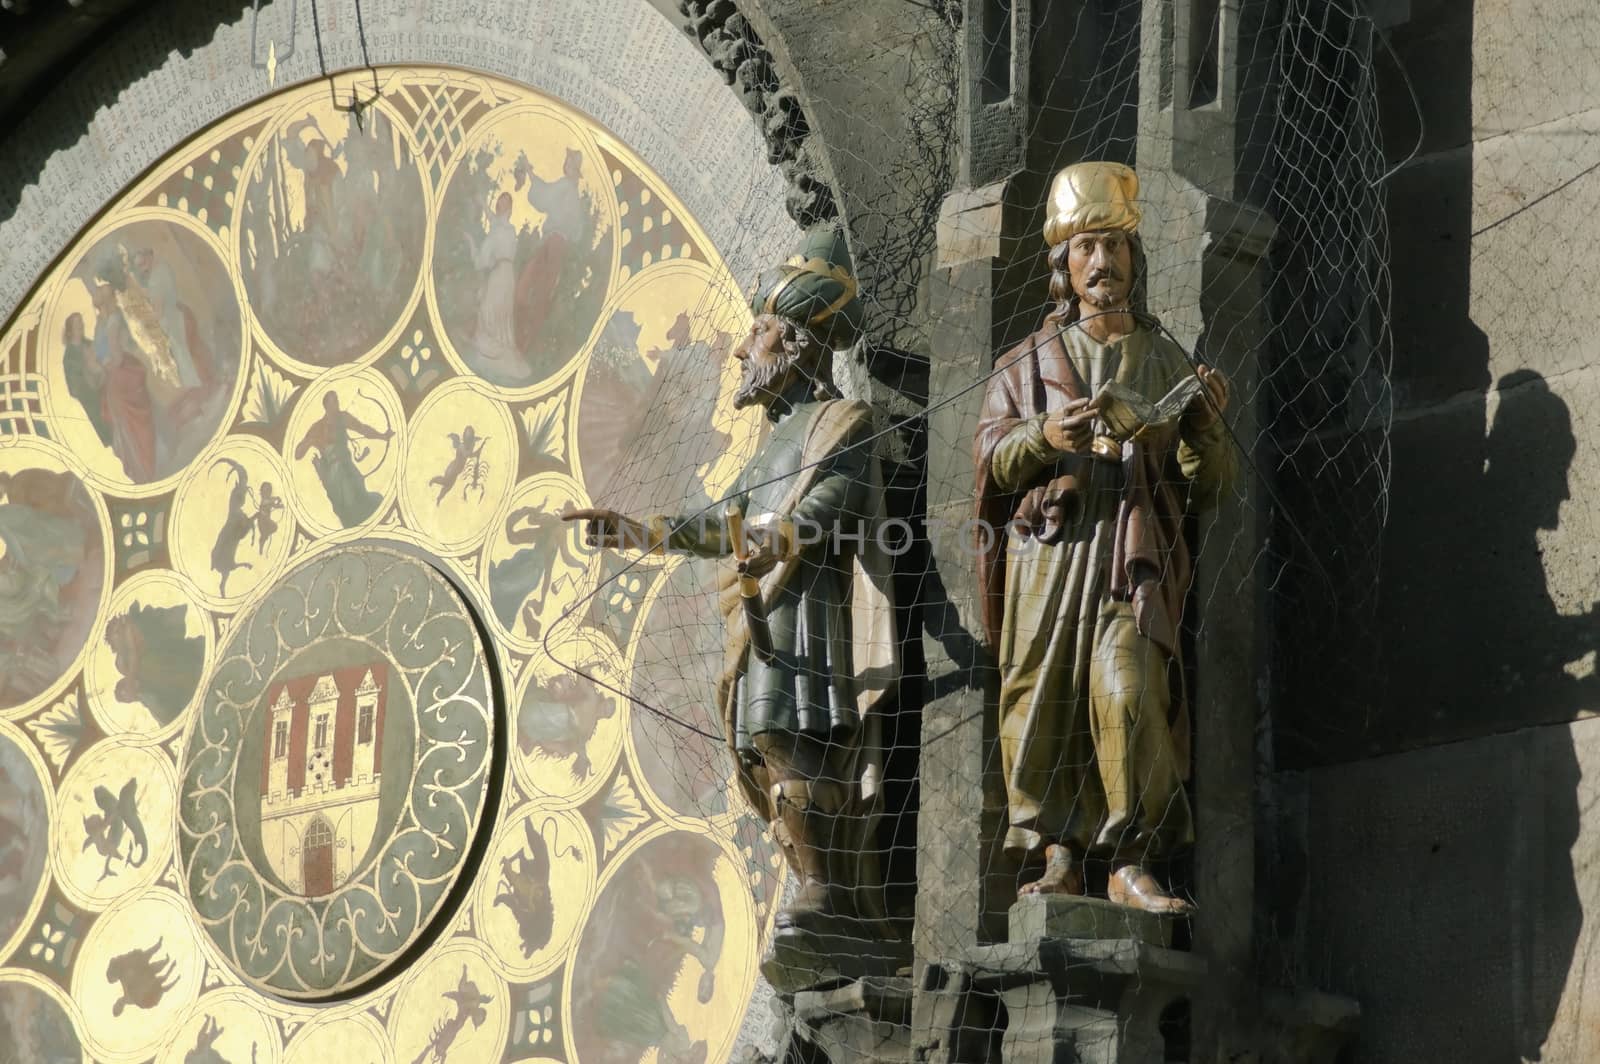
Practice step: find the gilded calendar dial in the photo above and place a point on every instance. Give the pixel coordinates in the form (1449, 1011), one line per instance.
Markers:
(343, 744)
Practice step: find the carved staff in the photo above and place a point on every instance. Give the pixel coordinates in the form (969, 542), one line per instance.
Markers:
(755, 611)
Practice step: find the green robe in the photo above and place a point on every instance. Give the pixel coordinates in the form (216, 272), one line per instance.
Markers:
(798, 690)
(1083, 595)
(828, 605)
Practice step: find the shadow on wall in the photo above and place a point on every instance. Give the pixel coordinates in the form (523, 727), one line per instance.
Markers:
(54, 44)
(1443, 887)
(1443, 780)
(1444, 788)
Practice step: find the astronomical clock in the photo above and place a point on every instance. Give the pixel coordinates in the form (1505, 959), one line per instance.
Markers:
(322, 736)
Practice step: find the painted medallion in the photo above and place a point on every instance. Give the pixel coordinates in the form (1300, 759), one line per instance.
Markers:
(337, 771)
(322, 736)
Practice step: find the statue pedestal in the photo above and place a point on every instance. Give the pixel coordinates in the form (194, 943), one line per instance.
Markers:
(866, 1021)
(1094, 1001)
(1082, 980)
(1041, 916)
(806, 959)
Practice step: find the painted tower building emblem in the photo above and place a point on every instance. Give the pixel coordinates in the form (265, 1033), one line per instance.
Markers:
(337, 772)
(323, 770)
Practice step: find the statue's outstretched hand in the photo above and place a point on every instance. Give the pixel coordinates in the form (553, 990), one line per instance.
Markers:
(607, 528)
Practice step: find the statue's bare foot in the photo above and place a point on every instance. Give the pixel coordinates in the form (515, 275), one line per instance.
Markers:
(1062, 875)
(1136, 888)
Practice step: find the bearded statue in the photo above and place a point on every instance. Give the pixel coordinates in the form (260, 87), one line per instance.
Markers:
(811, 659)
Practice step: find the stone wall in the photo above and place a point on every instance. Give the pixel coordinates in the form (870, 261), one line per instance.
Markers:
(1446, 887)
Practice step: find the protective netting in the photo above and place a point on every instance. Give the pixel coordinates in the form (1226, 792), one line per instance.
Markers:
(957, 669)
(1090, 735)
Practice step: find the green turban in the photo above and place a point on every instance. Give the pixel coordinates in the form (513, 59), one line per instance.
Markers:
(816, 288)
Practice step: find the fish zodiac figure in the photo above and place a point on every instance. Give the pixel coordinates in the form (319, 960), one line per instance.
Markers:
(470, 1002)
(104, 829)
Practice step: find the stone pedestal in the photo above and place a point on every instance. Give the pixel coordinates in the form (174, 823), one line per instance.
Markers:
(1096, 1001)
(800, 960)
(1042, 916)
(865, 1021)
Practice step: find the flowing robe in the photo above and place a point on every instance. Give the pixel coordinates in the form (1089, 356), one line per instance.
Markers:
(345, 484)
(125, 403)
(560, 233)
(496, 335)
(828, 604)
(86, 379)
(1083, 589)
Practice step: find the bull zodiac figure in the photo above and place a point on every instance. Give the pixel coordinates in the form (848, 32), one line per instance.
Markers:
(525, 886)
(144, 979)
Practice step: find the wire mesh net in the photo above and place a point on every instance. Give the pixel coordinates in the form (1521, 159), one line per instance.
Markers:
(1085, 761)
(897, 564)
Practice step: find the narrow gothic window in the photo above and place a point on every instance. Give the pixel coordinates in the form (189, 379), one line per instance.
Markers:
(364, 725)
(319, 834)
(322, 733)
(280, 739)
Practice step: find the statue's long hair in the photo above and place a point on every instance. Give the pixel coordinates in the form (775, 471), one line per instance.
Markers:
(1068, 308)
(812, 357)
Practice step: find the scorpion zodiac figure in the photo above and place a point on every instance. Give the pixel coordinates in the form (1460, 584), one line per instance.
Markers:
(468, 459)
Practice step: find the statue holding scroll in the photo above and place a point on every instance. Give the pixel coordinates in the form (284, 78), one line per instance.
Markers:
(811, 661)
(1097, 438)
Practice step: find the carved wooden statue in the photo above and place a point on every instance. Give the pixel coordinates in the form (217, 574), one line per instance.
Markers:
(811, 659)
(1085, 580)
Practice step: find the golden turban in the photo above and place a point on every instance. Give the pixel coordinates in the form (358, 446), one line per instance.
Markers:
(1090, 196)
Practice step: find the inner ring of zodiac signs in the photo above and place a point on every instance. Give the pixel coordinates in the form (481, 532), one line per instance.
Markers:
(328, 718)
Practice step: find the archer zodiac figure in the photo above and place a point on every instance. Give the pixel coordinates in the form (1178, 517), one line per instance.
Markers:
(335, 461)
(1084, 584)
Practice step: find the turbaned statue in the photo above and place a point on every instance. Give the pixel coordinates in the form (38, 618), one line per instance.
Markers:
(811, 662)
